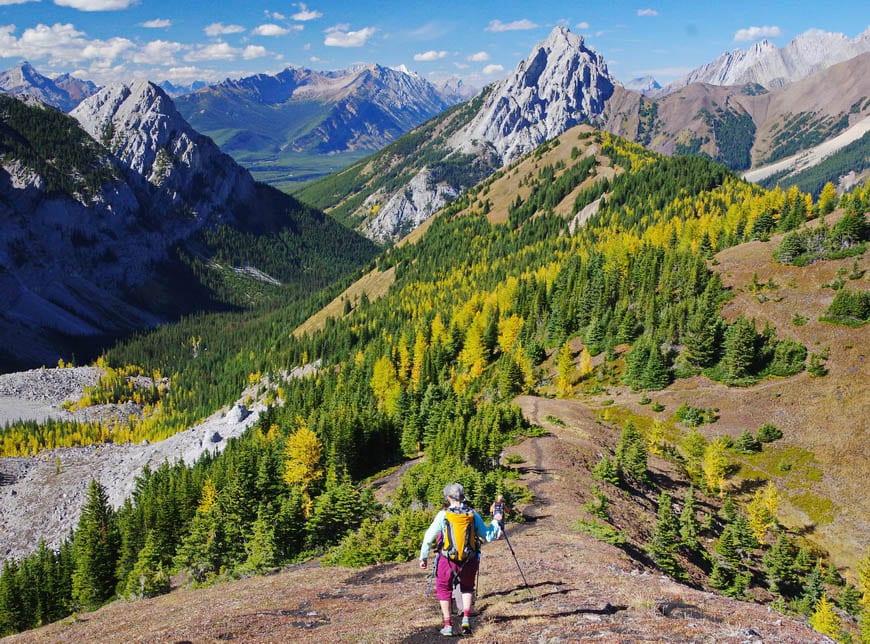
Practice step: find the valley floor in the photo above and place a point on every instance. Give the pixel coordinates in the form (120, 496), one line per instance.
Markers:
(580, 589)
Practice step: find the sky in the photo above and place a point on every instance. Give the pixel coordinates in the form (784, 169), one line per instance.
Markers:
(478, 41)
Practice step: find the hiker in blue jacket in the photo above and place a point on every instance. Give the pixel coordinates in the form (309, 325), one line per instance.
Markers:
(456, 561)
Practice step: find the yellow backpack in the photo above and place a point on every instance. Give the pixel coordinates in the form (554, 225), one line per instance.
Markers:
(459, 540)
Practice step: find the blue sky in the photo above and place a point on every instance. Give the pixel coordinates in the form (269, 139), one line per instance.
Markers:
(186, 40)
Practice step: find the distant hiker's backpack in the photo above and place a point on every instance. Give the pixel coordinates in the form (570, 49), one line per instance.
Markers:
(459, 540)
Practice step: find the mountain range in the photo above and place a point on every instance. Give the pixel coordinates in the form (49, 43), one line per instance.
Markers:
(300, 123)
(121, 216)
(63, 92)
(775, 67)
(563, 83)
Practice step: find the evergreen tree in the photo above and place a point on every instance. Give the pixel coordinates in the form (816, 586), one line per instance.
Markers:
(631, 455)
(778, 566)
(149, 577)
(290, 525)
(260, 547)
(656, 374)
(606, 470)
(96, 550)
(739, 358)
(690, 529)
(13, 617)
(665, 538)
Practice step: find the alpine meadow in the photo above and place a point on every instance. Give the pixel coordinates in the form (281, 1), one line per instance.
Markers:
(560, 295)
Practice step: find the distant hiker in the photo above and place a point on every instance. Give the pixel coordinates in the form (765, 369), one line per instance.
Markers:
(461, 531)
(499, 508)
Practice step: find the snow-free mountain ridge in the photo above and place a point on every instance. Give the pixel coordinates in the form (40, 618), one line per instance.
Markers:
(63, 92)
(772, 67)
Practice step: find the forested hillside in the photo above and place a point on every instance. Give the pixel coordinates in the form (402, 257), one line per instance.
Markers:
(496, 299)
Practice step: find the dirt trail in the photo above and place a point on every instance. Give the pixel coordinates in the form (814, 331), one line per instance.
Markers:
(579, 589)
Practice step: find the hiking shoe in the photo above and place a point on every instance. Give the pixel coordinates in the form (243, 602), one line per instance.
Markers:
(466, 627)
(447, 631)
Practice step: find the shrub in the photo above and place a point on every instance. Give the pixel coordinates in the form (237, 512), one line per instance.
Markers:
(768, 433)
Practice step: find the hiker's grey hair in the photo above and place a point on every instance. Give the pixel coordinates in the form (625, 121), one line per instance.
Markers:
(455, 491)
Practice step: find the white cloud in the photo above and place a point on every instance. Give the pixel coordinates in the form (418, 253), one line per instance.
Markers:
(274, 15)
(583, 25)
(271, 29)
(339, 36)
(493, 69)
(479, 57)
(647, 12)
(313, 59)
(216, 51)
(158, 23)
(756, 33)
(97, 5)
(60, 44)
(254, 51)
(428, 56)
(5, 2)
(220, 29)
(516, 25)
(304, 13)
(157, 52)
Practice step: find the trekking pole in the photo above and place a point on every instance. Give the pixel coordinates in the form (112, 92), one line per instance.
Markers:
(431, 577)
(514, 554)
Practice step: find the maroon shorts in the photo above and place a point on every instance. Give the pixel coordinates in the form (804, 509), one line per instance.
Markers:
(446, 572)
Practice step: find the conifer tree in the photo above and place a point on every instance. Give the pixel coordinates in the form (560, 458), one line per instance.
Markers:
(564, 371)
(864, 581)
(715, 465)
(665, 538)
(778, 566)
(12, 611)
(740, 339)
(825, 620)
(260, 546)
(302, 453)
(96, 550)
(656, 374)
(149, 577)
(631, 455)
(689, 526)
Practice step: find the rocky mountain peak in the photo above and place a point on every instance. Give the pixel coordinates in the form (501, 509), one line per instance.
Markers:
(145, 132)
(63, 93)
(561, 84)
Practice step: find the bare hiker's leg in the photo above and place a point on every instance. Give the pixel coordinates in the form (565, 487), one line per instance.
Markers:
(466, 602)
(445, 610)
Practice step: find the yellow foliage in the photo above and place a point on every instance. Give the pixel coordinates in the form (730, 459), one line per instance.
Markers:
(208, 498)
(385, 385)
(302, 453)
(715, 464)
(509, 332)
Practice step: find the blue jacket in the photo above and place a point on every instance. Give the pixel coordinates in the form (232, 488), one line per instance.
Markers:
(439, 523)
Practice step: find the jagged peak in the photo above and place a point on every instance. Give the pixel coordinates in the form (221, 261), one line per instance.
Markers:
(562, 38)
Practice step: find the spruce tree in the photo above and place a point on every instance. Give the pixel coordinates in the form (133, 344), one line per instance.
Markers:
(778, 566)
(631, 455)
(740, 355)
(689, 526)
(96, 550)
(665, 538)
(656, 374)
(260, 546)
(149, 577)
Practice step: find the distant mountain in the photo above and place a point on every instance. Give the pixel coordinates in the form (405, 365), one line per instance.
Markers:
(771, 67)
(455, 90)
(745, 126)
(302, 123)
(64, 92)
(643, 84)
(154, 221)
(179, 90)
(561, 84)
